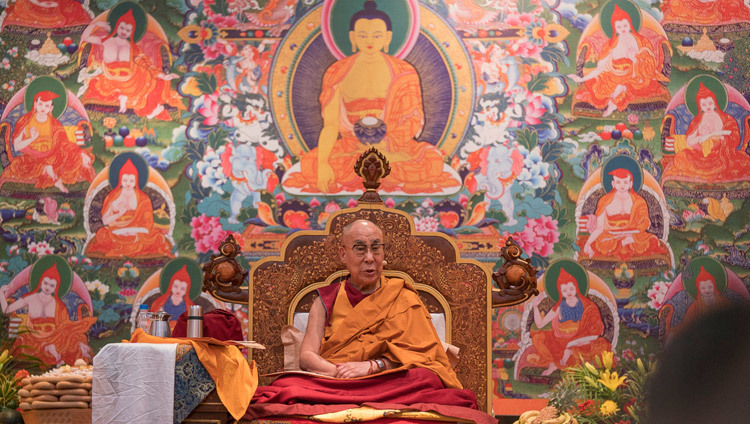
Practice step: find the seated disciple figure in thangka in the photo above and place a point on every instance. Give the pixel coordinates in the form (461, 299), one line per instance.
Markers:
(41, 148)
(125, 63)
(125, 226)
(622, 217)
(628, 68)
(49, 328)
(707, 128)
(573, 320)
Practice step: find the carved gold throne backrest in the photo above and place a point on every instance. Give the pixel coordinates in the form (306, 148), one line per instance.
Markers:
(278, 286)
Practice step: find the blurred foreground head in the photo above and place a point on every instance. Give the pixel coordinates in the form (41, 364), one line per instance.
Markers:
(704, 372)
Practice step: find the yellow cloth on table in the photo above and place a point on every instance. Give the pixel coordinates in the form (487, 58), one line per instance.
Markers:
(235, 378)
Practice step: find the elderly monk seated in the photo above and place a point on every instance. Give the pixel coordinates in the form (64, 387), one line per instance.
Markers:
(371, 343)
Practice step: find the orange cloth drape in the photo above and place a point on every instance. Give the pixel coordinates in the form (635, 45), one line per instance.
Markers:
(236, 379)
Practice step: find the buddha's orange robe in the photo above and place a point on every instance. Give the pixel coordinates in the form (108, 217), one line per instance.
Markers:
(723, 163)
(35, 334)
(150, 243)
(67, 13)
(51, 148)
(705, 13)
(550, 345)
(392, 323)
(640, 78)
(609, 242)
(401, 111)
(138, 80)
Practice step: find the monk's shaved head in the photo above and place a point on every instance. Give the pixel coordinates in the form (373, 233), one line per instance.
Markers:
(360, 223)
(362, 252)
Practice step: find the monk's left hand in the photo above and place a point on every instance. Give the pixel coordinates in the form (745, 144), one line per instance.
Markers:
(352, 369)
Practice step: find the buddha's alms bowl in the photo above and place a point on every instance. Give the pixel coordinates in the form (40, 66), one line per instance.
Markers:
(369, 130)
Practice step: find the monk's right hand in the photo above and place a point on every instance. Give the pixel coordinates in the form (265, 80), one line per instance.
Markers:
(352, 369)
(588, 250)
(325, 177)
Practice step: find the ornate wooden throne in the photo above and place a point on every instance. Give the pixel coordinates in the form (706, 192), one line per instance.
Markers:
(459, 289)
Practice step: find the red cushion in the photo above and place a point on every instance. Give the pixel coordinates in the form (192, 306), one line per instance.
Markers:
(218, 323)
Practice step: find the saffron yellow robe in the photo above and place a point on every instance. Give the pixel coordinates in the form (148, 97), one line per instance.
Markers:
(391, 323)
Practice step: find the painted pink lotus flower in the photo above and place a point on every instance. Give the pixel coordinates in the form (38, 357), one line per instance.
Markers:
(209, 109)
(534, 110)
(332, 207)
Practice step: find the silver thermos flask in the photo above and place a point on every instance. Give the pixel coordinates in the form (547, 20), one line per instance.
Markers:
(195, 321)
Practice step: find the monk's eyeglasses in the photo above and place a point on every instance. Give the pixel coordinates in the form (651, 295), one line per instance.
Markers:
(361, 249)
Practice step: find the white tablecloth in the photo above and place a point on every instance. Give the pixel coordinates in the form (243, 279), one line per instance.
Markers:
(134, 383)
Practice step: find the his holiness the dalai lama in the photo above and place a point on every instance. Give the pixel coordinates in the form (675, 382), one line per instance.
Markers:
(372, 341)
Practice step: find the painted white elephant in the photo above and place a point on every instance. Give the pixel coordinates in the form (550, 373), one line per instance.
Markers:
(247, 177)
(499, 167)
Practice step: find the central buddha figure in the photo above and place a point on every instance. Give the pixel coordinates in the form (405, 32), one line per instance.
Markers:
(371, 99)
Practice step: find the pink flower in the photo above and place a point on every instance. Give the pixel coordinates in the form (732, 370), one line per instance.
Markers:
(210, 109)
(314, 203)
(428, 223)
(534, 110)
(427, 203)
(463, 200)
(280, 198)
(539, 236)
(332, 207)
(223, 21)
(657, 293)
(41, 249)
(524, 47)
(127, 292)
(73, 260)
(633, 119)
(389, 202)
(351, 203)
(207, 233)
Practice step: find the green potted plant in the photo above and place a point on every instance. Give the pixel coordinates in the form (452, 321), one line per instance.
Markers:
(9, 385)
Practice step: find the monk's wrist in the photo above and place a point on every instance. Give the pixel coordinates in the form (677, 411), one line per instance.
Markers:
(381, 364)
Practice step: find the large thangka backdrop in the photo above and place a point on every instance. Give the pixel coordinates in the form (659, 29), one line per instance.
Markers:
(609, 138)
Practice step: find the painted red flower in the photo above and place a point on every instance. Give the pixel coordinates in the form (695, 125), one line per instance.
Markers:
(297, 219)
(448, 219)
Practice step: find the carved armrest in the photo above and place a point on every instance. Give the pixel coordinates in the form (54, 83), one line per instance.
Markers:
(515, 279)
(223, 276)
